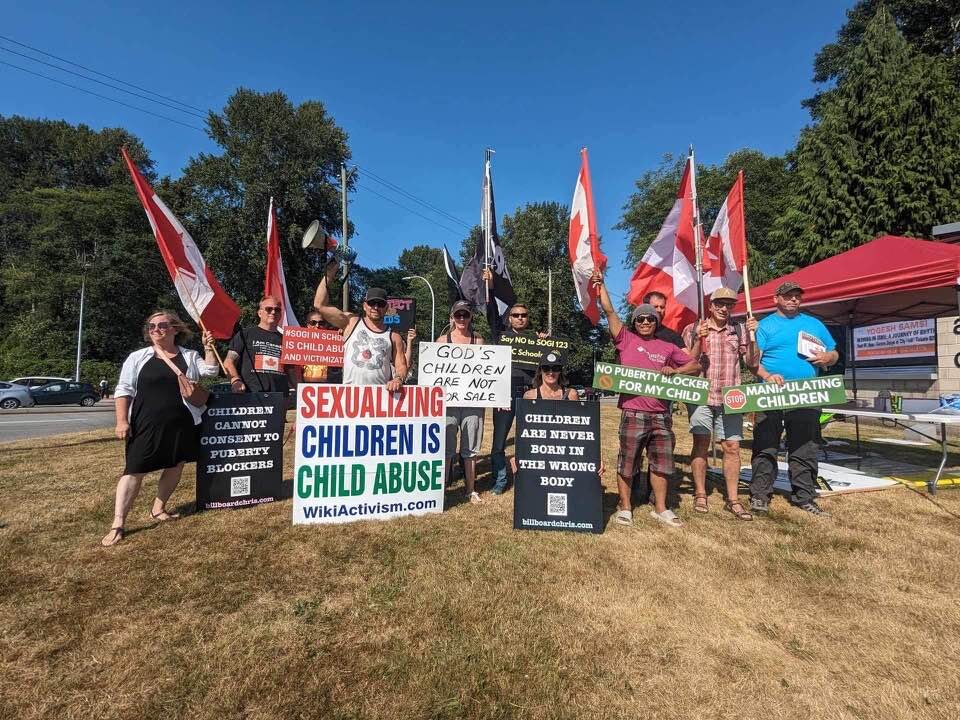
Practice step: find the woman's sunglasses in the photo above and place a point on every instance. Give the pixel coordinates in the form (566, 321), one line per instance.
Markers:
(314, 323)
(462, 315)
(552, 368)
(158, 326)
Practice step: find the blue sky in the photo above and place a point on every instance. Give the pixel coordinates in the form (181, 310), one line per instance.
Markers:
(423, 89)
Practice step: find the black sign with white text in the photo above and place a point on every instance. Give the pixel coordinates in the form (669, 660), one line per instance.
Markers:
(241, 450)
(558, 461)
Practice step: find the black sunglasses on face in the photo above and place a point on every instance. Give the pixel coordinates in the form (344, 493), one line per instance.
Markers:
(646, 318)
(462, 315)
(376, 303)
(552, 368)
(518, 315)
(314, 323)
(158, 326)
(271, 309)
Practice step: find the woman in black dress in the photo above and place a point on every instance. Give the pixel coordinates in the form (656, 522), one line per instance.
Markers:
(159, 426)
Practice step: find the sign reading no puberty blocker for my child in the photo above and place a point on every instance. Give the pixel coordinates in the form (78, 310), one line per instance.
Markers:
(636, 381)
(364, 453)
(470, 375)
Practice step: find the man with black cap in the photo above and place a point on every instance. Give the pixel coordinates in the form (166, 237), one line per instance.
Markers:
(646, 422)
(793, 346)
(372, 353)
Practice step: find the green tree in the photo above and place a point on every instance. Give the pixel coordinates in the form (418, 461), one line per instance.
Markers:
(767, 191)
(883, 158)
(269, 148)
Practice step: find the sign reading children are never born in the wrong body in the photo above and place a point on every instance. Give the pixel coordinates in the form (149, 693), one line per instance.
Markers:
(558, 461)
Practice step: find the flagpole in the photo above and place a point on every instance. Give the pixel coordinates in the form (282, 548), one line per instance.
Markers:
(549, 301)
(200, 323)
(697, 234)
(746, 269)
(485, 217)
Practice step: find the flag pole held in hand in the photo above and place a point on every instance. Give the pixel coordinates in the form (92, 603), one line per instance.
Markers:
(196, 313)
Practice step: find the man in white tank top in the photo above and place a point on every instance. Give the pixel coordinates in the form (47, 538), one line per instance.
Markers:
(371, 351)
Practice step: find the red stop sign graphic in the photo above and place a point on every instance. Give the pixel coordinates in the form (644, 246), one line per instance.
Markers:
(734, 399)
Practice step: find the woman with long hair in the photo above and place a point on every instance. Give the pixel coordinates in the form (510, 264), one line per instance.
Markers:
(159, 426)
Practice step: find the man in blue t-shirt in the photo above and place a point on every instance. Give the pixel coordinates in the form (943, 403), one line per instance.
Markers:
(781, 337)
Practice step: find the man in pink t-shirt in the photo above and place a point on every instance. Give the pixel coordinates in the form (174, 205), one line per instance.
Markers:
(646, 422)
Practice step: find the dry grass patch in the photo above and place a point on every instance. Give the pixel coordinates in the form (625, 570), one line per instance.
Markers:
(240, 614)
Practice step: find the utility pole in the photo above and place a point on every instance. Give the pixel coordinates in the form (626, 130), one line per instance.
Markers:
(84, 265)
(346, 240)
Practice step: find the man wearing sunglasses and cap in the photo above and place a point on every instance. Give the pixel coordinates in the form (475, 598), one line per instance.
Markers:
(793, 346)
(258, 350)
(372, 353)
(646, 422)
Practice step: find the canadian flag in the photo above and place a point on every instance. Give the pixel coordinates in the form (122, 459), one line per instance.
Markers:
(274, 281)
(669, 265)
(727, 245)
(583, 243)
(202, 297)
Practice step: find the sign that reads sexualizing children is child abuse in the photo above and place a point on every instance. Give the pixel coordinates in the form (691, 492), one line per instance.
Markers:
(364, 453)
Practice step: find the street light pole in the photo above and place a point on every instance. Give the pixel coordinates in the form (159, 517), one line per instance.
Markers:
(433, 304)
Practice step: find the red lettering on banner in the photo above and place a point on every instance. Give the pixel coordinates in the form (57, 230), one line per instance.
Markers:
(351, 401)
(307, 409)
(312, 346)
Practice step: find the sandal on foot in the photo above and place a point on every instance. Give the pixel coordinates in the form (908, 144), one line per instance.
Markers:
(117, 536)
(164, 516)
(624, 517)
(700, 504)
(475, 498)
(668, 517)
(739, 512)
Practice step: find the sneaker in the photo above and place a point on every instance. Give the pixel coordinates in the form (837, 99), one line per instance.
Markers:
(624, 517)
(668, 517)
(759, 506)
(811, 507)
(497, 490)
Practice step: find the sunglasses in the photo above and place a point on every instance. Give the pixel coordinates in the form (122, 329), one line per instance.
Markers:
(158, 326)
(462, 315)
(270, 309)
(314, 323)
(552, 368)
(724, 303)
(645, 319)
(518, 315)
(376, 303)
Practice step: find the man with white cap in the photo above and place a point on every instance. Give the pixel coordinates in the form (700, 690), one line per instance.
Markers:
(719, 345)
(646, 422)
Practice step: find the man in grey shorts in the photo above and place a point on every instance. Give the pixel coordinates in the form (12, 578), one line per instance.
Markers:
(719, 344)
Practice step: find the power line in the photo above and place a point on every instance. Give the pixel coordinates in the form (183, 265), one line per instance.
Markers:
(410, 210)
(97, 72)
(101, 82)
(103, 97)
(411, 196)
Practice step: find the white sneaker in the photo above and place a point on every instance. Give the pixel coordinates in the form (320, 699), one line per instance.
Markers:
(667, 517)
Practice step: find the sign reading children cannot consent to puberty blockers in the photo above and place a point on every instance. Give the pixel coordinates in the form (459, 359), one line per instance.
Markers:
(364, 453)
(471, 375)
(636, 381)
(759, 397)
(558, 458)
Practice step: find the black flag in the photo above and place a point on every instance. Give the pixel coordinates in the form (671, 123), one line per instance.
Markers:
(489, 253)
(453, 284)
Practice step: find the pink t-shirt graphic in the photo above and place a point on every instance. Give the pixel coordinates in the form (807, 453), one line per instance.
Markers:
(649, 354)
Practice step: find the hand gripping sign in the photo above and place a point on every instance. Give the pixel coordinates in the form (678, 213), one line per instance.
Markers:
(636, 381)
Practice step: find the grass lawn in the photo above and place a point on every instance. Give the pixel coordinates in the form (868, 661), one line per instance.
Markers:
(238, 614)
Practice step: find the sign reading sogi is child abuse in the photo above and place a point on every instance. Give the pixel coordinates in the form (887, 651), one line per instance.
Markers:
(636, 381)
(471, 375)
(364, 453)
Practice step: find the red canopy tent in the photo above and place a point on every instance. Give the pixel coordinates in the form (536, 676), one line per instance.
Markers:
(889, 278)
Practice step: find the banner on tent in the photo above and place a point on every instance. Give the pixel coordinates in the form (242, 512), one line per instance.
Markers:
(471, 375)
(636, 381)
(364, 453)
(558, 458)
(241, 450)
(760, 397)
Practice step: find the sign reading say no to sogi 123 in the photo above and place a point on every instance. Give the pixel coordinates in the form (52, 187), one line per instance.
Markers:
(471, 375)
(366, 453)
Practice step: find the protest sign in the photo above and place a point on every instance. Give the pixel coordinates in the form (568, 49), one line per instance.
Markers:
(636, 381)
(527, 347)
(558, 458)
(471, 375)
(759, 397)
(366, 453)
(311, 346)
(241, 450)
(401, 314)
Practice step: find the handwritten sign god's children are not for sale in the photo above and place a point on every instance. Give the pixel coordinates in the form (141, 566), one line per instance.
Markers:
(364, 453)
(470, 375)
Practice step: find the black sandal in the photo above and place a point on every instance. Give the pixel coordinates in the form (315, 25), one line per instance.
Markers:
(740, 514)
(117, 537)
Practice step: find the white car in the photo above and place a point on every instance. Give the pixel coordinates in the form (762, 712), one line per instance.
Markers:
(13, 396)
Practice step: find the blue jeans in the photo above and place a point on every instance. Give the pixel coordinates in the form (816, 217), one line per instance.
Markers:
(502, 420)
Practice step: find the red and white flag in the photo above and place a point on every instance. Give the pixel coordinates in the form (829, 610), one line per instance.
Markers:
(583, 243)
(669, 265)
(202, 297)
(727, 245)
(274, 281)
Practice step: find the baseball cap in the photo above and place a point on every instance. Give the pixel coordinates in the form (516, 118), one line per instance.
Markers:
(723, 294)
(644, 309)
(552, 357)
(459, 306)
(376, 294)
(788, 286)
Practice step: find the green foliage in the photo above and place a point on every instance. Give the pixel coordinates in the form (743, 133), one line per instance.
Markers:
(269, 148)
(767, 187)
(883, 158)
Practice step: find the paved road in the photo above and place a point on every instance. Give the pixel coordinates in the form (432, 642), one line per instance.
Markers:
(39, 422)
